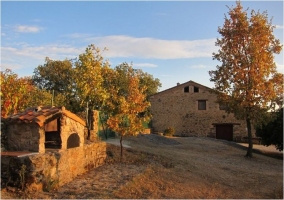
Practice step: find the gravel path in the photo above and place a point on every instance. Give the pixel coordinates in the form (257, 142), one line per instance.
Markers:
(161, 140)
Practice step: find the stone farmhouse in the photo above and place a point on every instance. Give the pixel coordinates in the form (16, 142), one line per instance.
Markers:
(191, 109)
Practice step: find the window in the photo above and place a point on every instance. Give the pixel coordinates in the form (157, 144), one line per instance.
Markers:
(186, 89)
(201, 104)
(196, 89)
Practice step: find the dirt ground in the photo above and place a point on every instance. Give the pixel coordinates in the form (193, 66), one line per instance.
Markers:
(157, 167)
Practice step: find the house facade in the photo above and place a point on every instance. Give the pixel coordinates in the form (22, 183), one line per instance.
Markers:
(191, 109)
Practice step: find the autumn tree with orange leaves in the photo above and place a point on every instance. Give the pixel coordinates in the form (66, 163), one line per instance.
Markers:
(13, 89)
(18, 93)
(247, 79)
(126, 102)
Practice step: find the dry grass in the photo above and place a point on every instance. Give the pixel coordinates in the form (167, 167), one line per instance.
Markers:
(157, 182)
(186, 168)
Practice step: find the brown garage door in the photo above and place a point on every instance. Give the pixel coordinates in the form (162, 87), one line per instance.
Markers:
(224, 132)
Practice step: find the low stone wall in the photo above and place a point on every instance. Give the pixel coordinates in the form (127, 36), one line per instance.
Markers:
(51, 169)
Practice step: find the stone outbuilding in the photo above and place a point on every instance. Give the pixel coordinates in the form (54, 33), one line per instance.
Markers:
(40, 128)
(191, 109)
(50, 144)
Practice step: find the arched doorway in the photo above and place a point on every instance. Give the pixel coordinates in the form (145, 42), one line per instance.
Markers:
(73, 141)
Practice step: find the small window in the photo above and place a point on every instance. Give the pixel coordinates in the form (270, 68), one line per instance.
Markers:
(196, 89)
(186, 89)
(201, 104)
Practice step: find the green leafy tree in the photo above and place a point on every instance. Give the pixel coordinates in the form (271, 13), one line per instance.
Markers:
(152, 87)
(58, 77)
(44, 98)
(271, 133)
(109, 84)
(89, 69)
(247, 80)
(152, 84)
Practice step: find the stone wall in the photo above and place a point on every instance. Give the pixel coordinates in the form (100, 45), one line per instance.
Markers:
(69, 126)
(179, 109)
(25, 137)
(53, 169)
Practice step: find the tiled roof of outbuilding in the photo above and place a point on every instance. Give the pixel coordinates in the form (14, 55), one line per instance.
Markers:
(40, 115)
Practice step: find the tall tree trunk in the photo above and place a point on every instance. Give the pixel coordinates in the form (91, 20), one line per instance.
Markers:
(249, 150)
(89, 122)
(121, 148)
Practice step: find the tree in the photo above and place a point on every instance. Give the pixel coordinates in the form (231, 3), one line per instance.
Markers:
(43, 97)
(247, 80)
(119, 78)
(58, 77)
(18, 93)
(109, 84)
(89, 81)
(152, 84)
(13, 89)
(83, 84)
(127, 101)
(152, 87)
(272, 132)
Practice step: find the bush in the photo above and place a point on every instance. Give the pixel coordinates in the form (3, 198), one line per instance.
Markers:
(272, 132)
(169, 131)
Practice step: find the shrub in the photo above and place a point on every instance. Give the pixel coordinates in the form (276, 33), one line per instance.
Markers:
(170, 131)
(272, 132)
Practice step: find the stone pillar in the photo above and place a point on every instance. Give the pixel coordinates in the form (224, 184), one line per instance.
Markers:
(41, 148)
(63, 132)
(94, 126)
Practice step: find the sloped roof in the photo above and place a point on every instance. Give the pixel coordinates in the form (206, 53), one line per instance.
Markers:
(41, 114)
(181, 86)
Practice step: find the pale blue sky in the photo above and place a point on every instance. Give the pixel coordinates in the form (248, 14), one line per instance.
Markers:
(173, 41)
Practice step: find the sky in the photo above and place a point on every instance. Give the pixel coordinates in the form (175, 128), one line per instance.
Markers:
(171, 40)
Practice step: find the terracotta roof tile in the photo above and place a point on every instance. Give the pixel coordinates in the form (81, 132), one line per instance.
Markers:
(40, 114)
(20, 117)
(30, 112)
(29, 117)
(37, 114)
